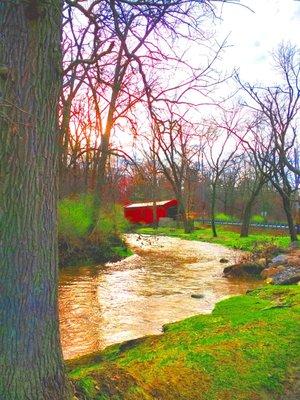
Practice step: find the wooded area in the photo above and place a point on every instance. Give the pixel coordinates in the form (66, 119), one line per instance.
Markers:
(117, 99)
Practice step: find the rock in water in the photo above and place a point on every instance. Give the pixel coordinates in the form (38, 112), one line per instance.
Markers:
(243, 270)
(197, 296)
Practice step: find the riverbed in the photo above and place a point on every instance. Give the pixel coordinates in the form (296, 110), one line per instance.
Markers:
(167, 279)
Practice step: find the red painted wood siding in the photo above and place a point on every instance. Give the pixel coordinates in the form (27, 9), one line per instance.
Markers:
(144, 214)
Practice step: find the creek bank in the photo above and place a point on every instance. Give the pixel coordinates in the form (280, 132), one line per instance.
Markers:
(90, 251)
(80, 242)
(113, 302)
(274, 268)
(226, 237)
(248, 348)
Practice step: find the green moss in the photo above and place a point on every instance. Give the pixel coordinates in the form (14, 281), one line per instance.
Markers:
(248, 348)
(253, 242)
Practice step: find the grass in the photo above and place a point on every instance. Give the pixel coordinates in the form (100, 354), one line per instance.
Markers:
(247, 349)
(254, 242)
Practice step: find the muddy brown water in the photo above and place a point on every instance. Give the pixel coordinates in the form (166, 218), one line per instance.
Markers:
(111, 303)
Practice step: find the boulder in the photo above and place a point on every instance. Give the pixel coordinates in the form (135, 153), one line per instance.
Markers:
(271, 271)
(288, 276)
(280, 259)
(261, 261)
(243, 270)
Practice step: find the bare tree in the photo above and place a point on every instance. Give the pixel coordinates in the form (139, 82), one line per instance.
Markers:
(219, 153)
(272, 133)
(175, 152)
(139, 28)
(84, 45)
(252, 184)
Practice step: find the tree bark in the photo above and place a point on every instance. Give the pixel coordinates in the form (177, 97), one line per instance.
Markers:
(99, 183)
(63, 147)
(289, 216)
(154, 193)
(187, 226)
(248, 209)
(285, 192)
(154, 210)
(246, 219)
(31, 363)
(213, 210)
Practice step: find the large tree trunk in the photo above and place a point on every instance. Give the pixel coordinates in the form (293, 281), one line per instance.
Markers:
(31, 364)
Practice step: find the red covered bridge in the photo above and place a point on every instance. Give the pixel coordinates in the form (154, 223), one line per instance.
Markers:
(143, 212)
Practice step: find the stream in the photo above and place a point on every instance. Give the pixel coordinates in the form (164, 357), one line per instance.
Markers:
(135, 297)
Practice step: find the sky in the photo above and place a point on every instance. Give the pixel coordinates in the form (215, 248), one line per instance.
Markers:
(254, 34)
(255, 29)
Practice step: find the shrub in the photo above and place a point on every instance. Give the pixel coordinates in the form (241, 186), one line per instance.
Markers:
(112, 221)
(103, 244)
(224, 217)
(257, 219)
(74, 216)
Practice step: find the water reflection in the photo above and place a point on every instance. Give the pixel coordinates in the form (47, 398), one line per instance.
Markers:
(135, 297)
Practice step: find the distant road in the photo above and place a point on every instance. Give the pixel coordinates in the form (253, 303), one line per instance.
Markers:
(272, 225)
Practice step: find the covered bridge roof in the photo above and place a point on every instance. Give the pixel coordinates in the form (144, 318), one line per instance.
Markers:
(149, 204)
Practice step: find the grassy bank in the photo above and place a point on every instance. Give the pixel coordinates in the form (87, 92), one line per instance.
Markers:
(254, 242)
(247, 349)
(76, 245)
